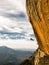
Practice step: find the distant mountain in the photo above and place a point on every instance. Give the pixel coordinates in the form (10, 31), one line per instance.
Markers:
(38, 58)
(9, 56)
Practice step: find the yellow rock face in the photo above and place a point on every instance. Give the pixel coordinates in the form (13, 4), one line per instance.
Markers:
(38, 13)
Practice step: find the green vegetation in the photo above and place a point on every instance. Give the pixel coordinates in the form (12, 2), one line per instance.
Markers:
(38, 58)
(26, 62)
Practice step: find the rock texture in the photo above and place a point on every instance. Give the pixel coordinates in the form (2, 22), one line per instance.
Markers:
(38, 58)
(38, 13)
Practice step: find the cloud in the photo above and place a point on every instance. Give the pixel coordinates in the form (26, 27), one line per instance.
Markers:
(13, 20)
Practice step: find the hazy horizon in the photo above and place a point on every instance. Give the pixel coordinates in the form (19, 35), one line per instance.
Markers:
(15, 29)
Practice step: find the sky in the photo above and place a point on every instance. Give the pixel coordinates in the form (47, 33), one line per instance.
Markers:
(14, 25)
